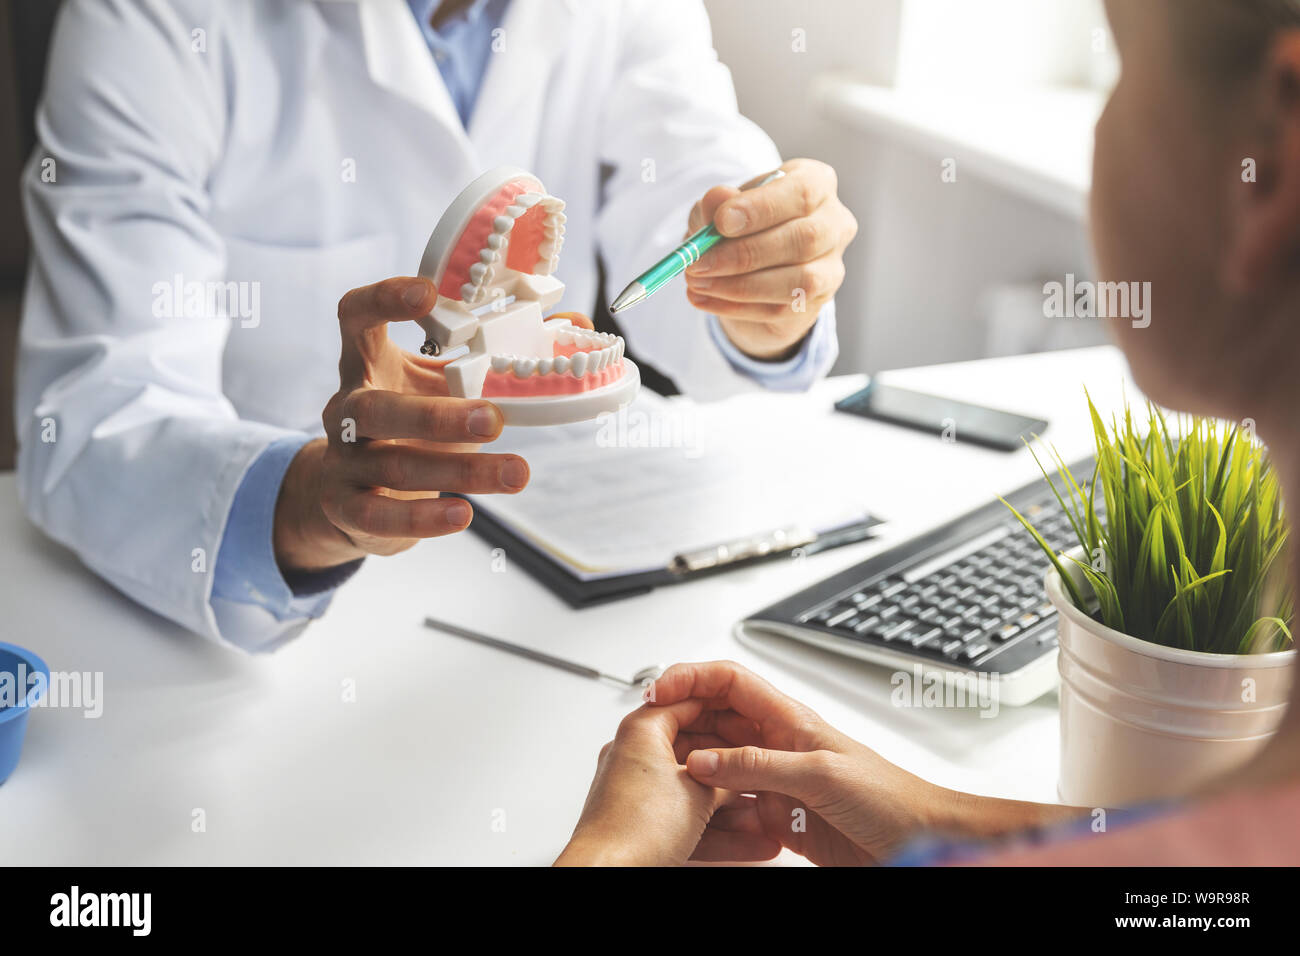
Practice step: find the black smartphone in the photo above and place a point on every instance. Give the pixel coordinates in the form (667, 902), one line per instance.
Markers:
(953, 420)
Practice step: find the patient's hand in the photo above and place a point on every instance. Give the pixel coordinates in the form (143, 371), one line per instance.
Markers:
(645, 810)
(821, 793)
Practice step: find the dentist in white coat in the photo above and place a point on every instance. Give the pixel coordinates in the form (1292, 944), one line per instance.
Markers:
(220, 188)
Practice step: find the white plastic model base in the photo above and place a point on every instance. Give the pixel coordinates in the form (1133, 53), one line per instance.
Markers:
(492, 258)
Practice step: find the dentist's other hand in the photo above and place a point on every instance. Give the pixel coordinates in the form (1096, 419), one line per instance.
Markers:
(645, 810)
(782, 261)
(395, 438)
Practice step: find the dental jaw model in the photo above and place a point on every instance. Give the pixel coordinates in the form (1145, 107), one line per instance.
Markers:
(492, 258)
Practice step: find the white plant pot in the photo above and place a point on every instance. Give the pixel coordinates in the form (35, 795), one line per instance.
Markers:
(1140, 721)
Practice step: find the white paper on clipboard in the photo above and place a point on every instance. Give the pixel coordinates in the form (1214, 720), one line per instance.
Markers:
(631, 491)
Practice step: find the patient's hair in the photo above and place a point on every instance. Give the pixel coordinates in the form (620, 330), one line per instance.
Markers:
(1225, 41)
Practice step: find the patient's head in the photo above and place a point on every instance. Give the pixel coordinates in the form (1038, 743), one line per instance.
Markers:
(1197, 190)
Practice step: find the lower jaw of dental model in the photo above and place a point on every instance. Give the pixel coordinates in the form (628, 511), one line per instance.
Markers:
(585, 376)
(581, 361)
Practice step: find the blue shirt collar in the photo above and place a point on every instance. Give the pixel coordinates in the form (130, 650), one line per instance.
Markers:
(423, 10)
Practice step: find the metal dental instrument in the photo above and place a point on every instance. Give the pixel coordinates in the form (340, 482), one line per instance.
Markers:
(637, 680)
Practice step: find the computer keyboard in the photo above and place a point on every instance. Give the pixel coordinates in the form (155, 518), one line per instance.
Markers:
(965, 598)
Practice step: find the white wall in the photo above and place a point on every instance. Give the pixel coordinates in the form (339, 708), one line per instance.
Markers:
(926, 258)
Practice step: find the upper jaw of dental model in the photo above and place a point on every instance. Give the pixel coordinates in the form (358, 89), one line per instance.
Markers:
(518, 230)
(582, 360)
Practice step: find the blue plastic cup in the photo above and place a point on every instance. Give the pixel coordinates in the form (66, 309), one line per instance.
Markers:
(23, 681)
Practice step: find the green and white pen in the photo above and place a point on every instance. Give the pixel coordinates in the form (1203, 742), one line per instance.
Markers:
(675, 263)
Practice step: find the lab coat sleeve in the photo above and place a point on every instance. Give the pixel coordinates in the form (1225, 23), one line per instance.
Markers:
(798, 373)
(254, 603)
(671, 130)
(130, 454)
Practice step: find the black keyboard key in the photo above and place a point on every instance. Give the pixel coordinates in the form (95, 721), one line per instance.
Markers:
(867, 624)
(896, 631)
(924, 636)
(841, 615)
(1006, 632)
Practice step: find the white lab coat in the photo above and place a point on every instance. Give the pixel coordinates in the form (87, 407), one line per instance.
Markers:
(302, 148)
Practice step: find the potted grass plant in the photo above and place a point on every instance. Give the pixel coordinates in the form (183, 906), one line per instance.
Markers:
(1175, 609)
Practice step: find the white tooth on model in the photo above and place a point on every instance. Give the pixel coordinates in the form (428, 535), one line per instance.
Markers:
(578, 364)
(524, 366)
(478, 272)
(494, 240)
(544, 366)
(514, 212)
(564, 336)
(468, 291)
(487, 256)
(528, 200)
(501, 363)
(546, 250)
(503, 223)
(561, 364)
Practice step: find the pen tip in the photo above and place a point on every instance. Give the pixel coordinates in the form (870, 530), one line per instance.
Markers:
(627, 298)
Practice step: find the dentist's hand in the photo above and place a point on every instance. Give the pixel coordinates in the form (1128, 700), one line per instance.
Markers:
(782, 261)
(394, 440)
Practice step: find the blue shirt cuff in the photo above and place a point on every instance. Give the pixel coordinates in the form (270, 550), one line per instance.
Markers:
(246, 572)
(795, 374)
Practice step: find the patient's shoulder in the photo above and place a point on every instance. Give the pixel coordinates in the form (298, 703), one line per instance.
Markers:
(1259, 828)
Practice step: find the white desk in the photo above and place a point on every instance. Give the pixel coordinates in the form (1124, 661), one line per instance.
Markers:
(445, 735)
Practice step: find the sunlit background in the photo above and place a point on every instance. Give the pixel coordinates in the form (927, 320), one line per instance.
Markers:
(886, 91)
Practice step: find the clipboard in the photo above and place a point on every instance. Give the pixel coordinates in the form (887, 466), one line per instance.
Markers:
(579, 593)
(669, 490)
